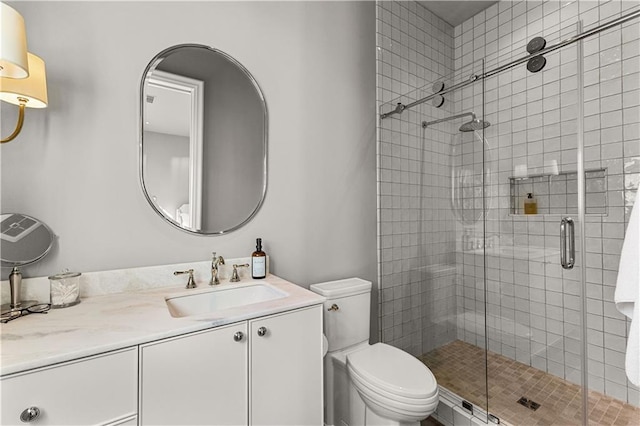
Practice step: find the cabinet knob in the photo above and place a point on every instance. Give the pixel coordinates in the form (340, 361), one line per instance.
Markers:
(238, 336)
(262, 331)
(333, 307)
(29, 414)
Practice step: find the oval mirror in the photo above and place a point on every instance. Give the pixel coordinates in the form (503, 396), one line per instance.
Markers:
(203, 139)
(23, 240)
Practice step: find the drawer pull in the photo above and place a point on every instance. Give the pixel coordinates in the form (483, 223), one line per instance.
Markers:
(29, 414)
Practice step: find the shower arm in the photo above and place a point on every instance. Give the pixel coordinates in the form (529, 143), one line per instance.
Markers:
(426, 124)
(618, 21)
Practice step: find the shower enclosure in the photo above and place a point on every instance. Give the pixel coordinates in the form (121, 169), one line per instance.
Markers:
(513, 311)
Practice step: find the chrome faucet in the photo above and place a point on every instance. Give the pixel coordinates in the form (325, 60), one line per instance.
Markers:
(216, 261)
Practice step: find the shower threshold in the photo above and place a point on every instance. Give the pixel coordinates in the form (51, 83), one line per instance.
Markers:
(459, 368)
(450, 402)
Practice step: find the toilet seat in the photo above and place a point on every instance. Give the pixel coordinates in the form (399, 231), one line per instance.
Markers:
(393, 383)
(393, 411)
(393, 373)
(386, 397)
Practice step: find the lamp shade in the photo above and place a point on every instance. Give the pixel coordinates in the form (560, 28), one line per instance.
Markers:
(13, 44)
(32, 88)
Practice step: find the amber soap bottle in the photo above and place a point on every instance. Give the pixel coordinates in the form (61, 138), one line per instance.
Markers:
(258, 261)
(530, 204)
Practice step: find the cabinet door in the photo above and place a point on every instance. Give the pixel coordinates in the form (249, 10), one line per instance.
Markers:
(96, 390)
(286, 368)
(196, 379)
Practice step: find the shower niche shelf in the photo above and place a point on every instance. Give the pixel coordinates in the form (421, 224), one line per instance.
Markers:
(558, 193)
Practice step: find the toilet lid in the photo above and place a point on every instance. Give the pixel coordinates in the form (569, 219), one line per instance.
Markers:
(393, 370)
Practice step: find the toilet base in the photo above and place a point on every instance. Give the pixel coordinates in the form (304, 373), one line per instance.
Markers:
(361, 415)
(372, 419)
(343, 404)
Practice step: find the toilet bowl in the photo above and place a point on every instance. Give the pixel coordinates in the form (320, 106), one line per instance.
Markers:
(392, 383)
(368, 384)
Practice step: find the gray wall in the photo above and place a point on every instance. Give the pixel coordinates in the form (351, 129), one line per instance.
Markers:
(75, 165)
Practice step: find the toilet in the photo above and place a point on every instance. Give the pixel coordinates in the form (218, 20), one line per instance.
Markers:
(367, 385)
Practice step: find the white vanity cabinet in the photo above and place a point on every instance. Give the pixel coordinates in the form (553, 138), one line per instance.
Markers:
(285, 367)
(195, 379)
(100, 390)
(270, 374)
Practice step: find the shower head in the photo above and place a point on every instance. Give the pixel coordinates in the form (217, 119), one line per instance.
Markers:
(474, 124)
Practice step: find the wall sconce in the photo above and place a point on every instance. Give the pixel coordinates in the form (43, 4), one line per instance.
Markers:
(25, 92)
(31, 89)
(13, 44)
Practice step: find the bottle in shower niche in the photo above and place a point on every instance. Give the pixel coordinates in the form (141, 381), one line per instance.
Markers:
(258, 261)
(530, 204)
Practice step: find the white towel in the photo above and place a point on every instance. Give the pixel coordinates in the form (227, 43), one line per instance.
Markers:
(627, 295)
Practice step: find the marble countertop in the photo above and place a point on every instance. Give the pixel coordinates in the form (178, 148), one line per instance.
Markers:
(113, 321)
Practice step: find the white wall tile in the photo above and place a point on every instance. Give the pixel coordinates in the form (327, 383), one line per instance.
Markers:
(548, 126)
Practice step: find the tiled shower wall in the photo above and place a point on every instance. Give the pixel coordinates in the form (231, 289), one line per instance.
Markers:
(533, 305)
(417, 232)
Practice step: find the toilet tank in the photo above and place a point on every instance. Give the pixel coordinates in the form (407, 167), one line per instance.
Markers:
(347, 323)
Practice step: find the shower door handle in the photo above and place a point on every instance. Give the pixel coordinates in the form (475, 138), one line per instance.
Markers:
(567, 233)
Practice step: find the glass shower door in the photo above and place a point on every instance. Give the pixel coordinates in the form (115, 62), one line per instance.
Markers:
(611, 118)
(453, 186)
(535, 359)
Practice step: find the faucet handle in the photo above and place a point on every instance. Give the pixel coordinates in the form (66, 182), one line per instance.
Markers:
(234, 275)
(190, 282)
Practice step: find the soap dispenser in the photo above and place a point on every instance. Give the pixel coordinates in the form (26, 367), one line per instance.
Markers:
(530, 204)
(258, 261)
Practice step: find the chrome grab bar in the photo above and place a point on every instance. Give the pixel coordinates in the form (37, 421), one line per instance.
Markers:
(567, 231)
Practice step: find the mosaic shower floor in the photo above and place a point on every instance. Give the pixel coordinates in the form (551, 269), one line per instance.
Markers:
(560, 401)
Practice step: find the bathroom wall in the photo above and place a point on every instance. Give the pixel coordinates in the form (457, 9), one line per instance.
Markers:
(417, 238)
(75, 164)
(533, 306)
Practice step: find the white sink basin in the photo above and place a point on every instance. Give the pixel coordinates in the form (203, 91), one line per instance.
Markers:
(222, 298)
